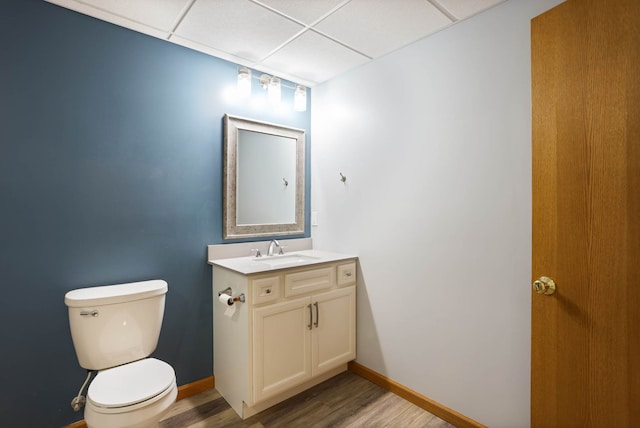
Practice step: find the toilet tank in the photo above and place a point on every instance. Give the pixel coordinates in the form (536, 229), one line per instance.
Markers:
(115, 324)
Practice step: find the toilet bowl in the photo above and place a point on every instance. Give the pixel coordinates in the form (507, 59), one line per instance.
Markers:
(133, 395)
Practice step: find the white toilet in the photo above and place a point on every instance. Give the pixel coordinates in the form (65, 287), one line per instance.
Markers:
(114, 329)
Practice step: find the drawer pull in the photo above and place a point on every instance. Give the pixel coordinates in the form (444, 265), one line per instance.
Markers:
(347, 274)
(317, 315)
(268, 291)
(310, 316)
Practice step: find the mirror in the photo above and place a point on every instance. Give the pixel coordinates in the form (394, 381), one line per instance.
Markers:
(264, 179)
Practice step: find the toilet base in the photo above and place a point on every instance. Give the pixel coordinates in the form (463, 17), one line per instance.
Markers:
(140, 417)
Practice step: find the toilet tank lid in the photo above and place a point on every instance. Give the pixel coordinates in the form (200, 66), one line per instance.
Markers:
(110, 294)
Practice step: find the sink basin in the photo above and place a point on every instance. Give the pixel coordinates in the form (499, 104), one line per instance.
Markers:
(286, 260)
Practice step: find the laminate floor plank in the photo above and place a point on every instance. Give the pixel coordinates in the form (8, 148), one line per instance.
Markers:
(378, 412)
(415, 417)
(350, 398)
(226, 419)
(191, 402)
(346, 400)
(195, 414)
(299, 416)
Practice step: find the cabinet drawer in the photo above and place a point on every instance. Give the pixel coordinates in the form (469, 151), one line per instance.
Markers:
(265, 289)
(308, 281)
(346, 274)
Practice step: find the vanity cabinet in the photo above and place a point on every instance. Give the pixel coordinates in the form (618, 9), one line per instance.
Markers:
(296, 328)
(297, 339)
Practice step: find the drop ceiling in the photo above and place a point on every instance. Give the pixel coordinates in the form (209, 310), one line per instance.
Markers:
(304, 41)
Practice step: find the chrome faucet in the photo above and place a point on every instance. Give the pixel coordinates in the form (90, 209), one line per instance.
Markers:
(272, 244)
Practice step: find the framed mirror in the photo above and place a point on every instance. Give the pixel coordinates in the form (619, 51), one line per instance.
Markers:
(264, 179)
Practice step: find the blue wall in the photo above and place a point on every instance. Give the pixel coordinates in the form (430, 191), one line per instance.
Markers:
(110, 171)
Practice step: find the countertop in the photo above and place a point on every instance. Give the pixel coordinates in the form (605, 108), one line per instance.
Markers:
(251, 265)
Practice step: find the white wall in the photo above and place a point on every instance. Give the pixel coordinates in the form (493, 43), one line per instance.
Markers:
(434, 140)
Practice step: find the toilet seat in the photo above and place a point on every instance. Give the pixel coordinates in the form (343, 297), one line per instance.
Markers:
(130, 386)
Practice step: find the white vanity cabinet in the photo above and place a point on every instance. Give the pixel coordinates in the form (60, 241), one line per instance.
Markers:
(296, 339)
(295, 329)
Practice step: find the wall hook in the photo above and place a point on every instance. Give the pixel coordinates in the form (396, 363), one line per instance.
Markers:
(286, 183)
(343, 178)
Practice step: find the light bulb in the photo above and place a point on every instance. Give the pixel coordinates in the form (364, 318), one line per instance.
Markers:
(300, 98)
(274, 90)
(244, 82)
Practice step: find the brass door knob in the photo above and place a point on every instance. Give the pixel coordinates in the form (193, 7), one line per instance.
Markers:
(544, 285)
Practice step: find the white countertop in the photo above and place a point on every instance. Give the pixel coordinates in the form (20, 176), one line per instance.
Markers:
(251, 265)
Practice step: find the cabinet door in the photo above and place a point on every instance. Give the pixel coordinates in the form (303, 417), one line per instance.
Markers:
(334, 332)
(281, 347)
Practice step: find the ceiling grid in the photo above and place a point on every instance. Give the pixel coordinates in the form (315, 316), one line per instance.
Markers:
(304, 41)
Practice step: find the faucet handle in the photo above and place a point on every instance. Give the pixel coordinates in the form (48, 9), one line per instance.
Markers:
(281, 252)
(257, 250)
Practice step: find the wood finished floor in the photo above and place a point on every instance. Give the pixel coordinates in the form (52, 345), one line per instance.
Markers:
(346, 400)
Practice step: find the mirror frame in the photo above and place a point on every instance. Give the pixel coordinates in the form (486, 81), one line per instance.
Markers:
(231, 229)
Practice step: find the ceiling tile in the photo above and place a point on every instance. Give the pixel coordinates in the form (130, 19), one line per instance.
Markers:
(160, 14)
(376, 27)
(315, 58)
(240, 28)
(464, 8)
(306, 12)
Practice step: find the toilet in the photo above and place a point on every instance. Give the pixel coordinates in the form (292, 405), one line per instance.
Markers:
(114, 330)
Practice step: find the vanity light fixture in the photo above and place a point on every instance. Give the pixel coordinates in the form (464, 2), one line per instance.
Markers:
(244, 82)
(273, 86)
(300, 98)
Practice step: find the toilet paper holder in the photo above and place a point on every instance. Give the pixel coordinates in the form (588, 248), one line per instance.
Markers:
(229, 292)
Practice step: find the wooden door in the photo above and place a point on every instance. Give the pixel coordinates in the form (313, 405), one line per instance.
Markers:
(585, 368)
(281, 347)
(334, 334)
